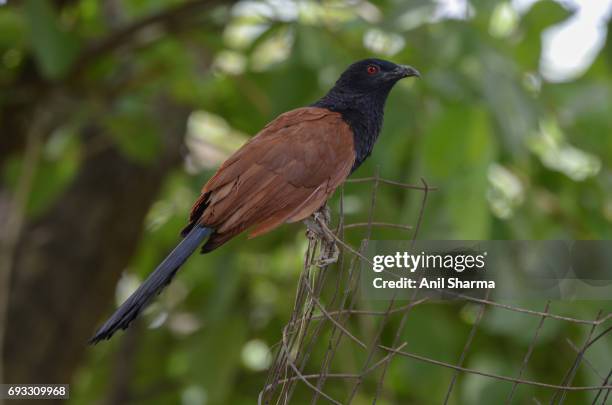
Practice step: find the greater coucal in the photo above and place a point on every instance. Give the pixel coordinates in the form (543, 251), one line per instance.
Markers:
(283, 174)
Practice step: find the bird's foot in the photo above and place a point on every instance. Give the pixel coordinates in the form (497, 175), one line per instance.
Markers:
(323, 214)
(317, 228)
(330, 256)
(311, 234)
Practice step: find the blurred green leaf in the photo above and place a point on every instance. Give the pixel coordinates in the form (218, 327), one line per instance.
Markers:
(134, 132)
(457, 152)
(543, 14)
(54, 49)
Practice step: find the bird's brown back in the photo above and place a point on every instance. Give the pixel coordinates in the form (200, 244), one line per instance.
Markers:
(283, 174)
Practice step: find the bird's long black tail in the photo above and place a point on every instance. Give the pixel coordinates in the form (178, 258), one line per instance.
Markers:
(156, 282)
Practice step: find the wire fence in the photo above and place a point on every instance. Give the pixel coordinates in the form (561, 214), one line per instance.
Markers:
(328, 315)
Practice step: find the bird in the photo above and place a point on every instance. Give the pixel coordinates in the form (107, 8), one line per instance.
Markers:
(283, 174)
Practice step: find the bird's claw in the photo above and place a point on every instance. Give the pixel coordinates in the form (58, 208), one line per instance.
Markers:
(330, 257)
(317, 229)
(322, 215)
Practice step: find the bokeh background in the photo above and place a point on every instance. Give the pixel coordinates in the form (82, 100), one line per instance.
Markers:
(114, 113)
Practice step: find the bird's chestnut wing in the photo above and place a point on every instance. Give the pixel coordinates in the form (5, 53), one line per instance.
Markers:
(283, 174)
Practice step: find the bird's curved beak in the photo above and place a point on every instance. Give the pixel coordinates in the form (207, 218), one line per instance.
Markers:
(402, 71)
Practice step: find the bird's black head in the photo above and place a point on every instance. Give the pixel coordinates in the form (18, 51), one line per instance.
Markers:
(365, 85)
(359, 96)
(372, 76)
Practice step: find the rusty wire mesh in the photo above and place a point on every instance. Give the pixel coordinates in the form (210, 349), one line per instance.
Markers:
(325, 313)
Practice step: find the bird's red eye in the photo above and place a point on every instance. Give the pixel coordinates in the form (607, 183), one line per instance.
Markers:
(372, 70)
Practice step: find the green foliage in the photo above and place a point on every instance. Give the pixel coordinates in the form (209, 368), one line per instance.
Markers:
(53, 48)
(132, 130)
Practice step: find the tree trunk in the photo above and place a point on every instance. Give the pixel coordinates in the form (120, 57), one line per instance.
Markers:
(68, 262)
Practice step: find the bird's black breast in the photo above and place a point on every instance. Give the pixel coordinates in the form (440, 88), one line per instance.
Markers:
(365, 133)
